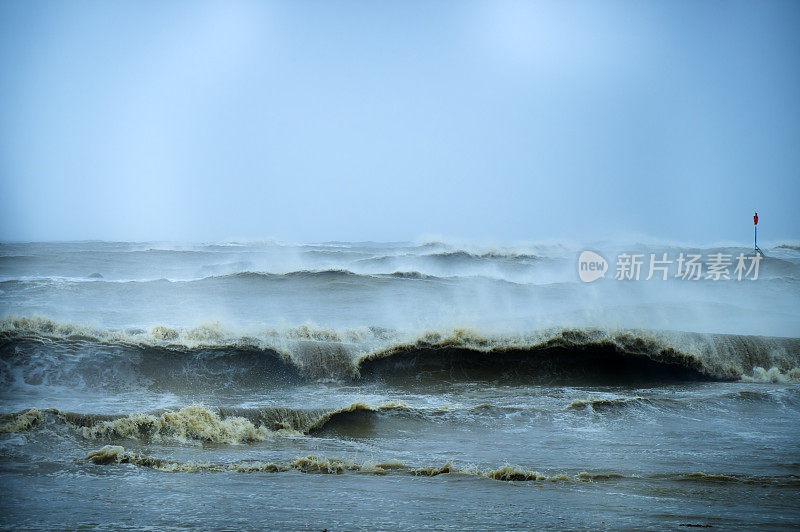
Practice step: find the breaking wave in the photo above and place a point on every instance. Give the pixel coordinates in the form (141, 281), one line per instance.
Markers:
(115, 454)
(601, 405)
(194, 423)
(773, 374)
(556, 355)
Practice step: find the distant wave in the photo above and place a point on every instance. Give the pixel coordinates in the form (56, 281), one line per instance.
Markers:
(248, 275)
(520, 265)
(554, 355)
(323, 275)
(341, 275)
(300, 274)
(457, 257)
(411, 275)
(489, 255)
(793, 247)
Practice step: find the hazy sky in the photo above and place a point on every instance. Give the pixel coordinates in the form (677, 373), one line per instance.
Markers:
(397, 120)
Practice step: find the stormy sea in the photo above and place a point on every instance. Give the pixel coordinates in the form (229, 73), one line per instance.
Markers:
(383, 386)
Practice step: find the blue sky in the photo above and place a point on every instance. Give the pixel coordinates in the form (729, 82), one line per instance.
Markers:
(313, 121)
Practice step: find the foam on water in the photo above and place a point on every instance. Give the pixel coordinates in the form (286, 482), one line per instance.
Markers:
(350, 370)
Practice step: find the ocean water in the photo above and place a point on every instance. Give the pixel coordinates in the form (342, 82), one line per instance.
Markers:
(383, 386)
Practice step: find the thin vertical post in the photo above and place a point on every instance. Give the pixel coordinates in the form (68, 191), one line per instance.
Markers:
(755, 235)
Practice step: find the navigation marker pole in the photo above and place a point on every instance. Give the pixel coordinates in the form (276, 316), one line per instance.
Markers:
(755, 235)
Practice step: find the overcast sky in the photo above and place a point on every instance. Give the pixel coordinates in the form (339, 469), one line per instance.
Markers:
(312, 121)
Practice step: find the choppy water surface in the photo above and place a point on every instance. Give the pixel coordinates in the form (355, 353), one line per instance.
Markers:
(384, 386)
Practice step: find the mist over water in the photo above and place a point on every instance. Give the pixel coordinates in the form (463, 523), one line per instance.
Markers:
(407, 287)
(497, 367)
(210, 318)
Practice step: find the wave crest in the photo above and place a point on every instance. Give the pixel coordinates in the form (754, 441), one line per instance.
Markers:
(114, 455)
(194, 423)
(548, 355)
